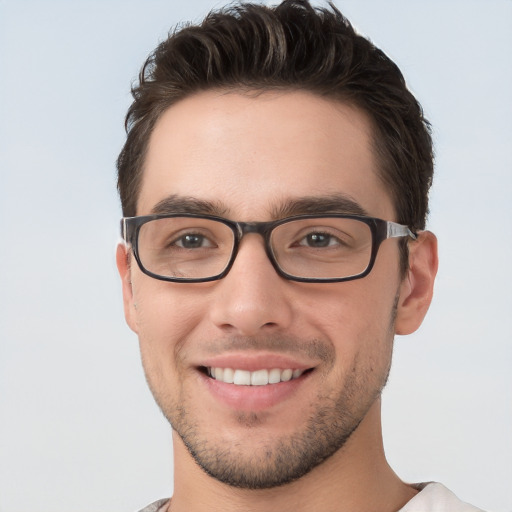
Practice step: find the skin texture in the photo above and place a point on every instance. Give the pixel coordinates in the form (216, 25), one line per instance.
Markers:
(319, 446)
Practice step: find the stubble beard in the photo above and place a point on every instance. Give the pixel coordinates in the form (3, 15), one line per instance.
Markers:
(281, 461)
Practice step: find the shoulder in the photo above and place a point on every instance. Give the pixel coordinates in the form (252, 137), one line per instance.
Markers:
(435, 497)
(157, 506)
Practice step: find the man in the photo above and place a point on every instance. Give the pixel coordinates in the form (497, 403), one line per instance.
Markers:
(274, 186)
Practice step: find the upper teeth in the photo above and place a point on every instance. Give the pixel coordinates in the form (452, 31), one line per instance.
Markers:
(257, 378)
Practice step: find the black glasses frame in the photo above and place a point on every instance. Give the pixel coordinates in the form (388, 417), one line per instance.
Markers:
(380, 229)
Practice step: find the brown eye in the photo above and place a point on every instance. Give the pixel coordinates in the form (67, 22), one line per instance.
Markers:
(319, 240)
(192, 241)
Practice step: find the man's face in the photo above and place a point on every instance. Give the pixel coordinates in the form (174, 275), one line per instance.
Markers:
(247, 158)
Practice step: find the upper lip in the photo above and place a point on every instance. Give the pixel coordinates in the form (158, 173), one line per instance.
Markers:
(252, 362)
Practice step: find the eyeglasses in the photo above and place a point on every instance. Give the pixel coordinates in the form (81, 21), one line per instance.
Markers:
(308, 248)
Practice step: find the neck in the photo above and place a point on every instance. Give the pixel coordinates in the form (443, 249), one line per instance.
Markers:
(356, 478)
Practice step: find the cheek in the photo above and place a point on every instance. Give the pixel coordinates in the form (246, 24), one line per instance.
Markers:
(165, 317)
(358, 321)
(350, 309)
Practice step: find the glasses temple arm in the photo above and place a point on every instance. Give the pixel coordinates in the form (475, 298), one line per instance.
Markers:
(395, 230)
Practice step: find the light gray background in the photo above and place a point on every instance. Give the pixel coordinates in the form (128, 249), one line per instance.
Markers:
(78, 429)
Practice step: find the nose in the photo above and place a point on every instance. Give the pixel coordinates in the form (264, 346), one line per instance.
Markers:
(252, 298)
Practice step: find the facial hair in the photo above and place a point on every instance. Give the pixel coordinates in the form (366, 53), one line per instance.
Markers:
(279, 461)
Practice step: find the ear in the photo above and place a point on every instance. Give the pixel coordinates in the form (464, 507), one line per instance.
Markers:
(417, 287)
(123, 257)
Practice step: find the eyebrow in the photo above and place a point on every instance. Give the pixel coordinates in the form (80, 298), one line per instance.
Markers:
(308, 205)
(181, 204)
(319, 205)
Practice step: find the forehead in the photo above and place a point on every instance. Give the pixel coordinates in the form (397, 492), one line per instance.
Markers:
(250, 153)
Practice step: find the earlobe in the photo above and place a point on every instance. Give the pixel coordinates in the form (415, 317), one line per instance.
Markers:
(123, 267)
(417, 287)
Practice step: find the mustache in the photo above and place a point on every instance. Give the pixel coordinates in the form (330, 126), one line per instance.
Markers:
(314, 349)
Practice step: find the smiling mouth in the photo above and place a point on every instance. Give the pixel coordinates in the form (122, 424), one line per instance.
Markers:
(256, 378)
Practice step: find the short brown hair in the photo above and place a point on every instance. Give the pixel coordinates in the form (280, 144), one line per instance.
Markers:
(291, 46)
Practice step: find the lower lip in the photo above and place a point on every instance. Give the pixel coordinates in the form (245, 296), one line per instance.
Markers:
(253, 398)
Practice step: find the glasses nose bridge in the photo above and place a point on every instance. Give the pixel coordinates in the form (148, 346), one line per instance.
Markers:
(260, 228)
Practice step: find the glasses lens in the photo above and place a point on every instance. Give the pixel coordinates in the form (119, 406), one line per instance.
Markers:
(185, 247)
(322, 248)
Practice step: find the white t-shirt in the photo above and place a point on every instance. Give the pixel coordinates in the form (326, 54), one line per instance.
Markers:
(433, 497)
